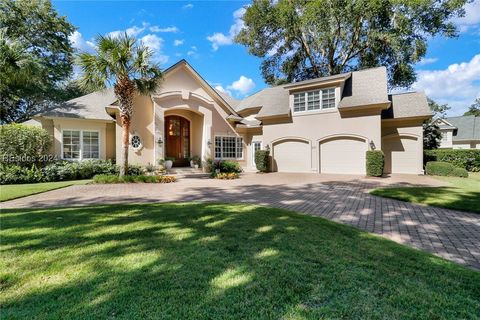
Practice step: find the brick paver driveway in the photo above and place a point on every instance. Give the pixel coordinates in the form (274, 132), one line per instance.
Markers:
(451, 234)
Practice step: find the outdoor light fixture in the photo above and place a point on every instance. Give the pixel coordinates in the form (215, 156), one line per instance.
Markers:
(372, 145)
(209, 143)
(160, 141)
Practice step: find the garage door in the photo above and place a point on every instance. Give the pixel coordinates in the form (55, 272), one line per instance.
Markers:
(292, 156)
(343, 155)
(401, 155)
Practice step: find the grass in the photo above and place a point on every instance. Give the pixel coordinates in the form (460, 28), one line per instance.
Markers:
(13, 191)
(217, 261)
(461, 193)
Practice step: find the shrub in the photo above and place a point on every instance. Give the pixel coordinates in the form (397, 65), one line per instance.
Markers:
(468, 159)
(226, 176)
(135, 170)
(24, 145)
(262, 160)
(195, 160)
(375, 163)
(460, 172)
(228, 166)
(66, 170)
(438, 168)
(107, 179)
(13, 174)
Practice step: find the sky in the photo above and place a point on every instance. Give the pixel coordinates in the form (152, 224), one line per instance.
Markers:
(202, 33)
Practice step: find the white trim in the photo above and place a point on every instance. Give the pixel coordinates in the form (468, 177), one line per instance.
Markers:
(253, 151)
(80, 158)
(321, 109)
(228, 158)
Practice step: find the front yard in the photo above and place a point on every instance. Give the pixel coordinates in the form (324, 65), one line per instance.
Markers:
(13, 191)
(461, 193)
(217, 261)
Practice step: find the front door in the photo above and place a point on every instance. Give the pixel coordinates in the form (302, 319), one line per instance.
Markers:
(177, 131)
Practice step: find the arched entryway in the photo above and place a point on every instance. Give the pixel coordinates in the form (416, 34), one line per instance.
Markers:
(177, 142)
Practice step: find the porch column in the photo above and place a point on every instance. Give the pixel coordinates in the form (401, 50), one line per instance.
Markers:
(207, 135)
(159, 128)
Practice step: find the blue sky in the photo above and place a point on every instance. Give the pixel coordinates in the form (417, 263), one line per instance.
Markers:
(202, 32)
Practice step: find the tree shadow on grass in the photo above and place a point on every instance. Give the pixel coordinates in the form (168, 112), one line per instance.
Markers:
(211, 261)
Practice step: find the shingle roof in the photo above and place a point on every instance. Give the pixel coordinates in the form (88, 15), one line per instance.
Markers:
(468, 127)
(90, 106)
(365, 87)
(406, 105)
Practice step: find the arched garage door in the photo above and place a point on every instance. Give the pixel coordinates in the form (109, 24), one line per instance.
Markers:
(401, 154)
(343, 155)
(292, 155)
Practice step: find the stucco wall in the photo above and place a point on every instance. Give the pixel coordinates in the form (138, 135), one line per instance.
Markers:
(315, 127)
(110, 152)
(466, 145)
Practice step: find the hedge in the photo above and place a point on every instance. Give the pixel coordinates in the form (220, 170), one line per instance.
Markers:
(262, 160)
(24, 145)
(111, 178)
(375, 163)
(468, 159)
(438, 168)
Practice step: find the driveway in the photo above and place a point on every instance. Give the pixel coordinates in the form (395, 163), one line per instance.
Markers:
(448, 233)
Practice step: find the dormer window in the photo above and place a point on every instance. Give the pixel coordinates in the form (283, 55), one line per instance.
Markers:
(314, 100)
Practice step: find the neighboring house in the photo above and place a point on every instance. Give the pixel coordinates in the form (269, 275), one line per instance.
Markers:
(460, 132)
(322, 125)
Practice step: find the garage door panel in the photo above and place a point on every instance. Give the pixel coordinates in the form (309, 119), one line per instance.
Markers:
(343, 155)
(401, 155)
(292, 156)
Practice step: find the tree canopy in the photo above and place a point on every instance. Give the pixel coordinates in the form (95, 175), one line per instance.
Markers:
(35, 57)
(474, 109)
(305, 39)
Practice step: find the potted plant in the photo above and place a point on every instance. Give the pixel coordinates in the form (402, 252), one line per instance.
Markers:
(167, 163)
(195, 162)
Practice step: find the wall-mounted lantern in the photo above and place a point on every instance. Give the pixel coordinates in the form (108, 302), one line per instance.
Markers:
(160, 141)
(209, 143)
(372, 145)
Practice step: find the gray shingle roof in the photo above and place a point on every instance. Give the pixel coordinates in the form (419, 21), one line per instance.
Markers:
(468, 127)
(90, 106)
(406, 105)
(365, 87)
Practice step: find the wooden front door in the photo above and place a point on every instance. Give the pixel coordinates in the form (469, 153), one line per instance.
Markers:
(177, 131)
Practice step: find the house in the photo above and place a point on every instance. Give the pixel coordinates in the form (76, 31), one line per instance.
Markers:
(323, 125)
(460, 132)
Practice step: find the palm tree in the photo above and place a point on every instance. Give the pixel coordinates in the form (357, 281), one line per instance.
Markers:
(126, 65)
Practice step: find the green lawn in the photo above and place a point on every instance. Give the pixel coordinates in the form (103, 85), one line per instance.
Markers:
(13, 191)
(217, 261)
(461, 193)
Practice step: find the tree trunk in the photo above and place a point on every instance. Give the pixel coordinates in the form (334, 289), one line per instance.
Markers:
(125, 143)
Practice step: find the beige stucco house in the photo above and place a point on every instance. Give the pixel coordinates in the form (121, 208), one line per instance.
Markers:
(323, 125)
(459, 132)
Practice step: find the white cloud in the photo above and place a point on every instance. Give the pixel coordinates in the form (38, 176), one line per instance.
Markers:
(471, 18)
(178, 42)
(222, 89)
(171, 29)
(243, 85)
(132, 31)
(187, 6)
(155, 43)
(193, 52)
(426, 61)
(79, 43)
(458, 84)
(220, 39)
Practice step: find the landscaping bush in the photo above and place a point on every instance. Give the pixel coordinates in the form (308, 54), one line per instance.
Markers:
(262, 160)
(106, 179)
(226, 176)
(136, 170)
(228, 166)
(468, 159)
(13, 174)
(460, 172)
(438, 168)
(24, 145)
(375, 163)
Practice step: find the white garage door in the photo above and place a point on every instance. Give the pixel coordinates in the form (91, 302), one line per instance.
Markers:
(401, 155)
(343, 155)
(292, 156)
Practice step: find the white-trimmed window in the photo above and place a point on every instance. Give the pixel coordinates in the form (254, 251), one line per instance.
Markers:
(444, 136)
(80, 144)
(228, 147)
(256, 145)
(314, 100)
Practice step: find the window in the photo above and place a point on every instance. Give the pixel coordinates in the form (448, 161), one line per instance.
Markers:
(78, 145)
(299, 102)
(444, 136)
(256, 145)
(314, 100)
(136, 142)
(228, 147)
